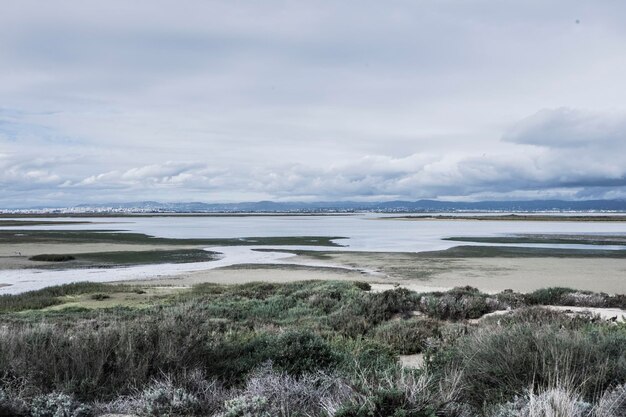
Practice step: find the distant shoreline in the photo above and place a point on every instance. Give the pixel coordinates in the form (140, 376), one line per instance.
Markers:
(168, 214)
(570, 216)
(583, 217)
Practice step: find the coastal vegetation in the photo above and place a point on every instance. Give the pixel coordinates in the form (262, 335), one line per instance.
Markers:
(315, 348)
(616, 240)
(15, 237)
(475, 251)
(124, 258)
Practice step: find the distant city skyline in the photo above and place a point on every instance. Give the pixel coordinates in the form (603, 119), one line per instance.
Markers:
(221, 101)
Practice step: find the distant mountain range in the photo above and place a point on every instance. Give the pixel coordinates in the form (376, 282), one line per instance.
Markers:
(352, 206)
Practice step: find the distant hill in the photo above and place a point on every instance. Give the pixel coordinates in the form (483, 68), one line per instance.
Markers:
(352, 206)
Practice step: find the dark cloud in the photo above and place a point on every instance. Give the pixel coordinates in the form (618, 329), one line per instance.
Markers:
(566, 127)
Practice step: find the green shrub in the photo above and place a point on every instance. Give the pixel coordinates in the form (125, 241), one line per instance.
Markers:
(547, 296)
(363, 355)
(298, 352)
(511, 299)
(364, 286)
(99, 296)
(406, 336)
(225, 333)
(500, 362)
(383, 306)
(386, 403)
(458, 304)
(361, 313)
(295, 352)
(570, 297)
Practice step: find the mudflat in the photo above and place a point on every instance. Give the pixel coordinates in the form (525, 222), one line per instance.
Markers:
(15, 256)
(429, 274)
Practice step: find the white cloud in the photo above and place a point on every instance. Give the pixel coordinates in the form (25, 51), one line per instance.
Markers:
(217, 100)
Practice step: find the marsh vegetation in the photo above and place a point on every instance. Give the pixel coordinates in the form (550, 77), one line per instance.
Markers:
(124, 258)
(15, 237)
(306, 349)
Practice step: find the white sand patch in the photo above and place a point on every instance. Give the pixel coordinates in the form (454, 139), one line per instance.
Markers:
(412, 361)
(417, 287)
(613, 314)
(609, 314)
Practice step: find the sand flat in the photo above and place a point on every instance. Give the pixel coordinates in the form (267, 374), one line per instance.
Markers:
(488, 274)
(492, 274)
(529, 274)
(279, 274)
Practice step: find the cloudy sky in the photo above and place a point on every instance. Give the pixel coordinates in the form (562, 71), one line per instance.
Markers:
(217, 101)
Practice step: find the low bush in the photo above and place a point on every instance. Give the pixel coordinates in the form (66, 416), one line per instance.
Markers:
(58, 405)
(363, 285)
(553, 402)
(244, 406)
(539, 316)
(11, 405)
(333, 348)
(279, 394)
(570, 297)
(458, 304)
(52, 258)
(547, 296)
(99, 296)
(360, 313)
(162, 398)
(189, 393)
(408, 336)
(501, 362)
(386, 403)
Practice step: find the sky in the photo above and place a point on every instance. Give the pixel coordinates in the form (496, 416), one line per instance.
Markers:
(311, 100)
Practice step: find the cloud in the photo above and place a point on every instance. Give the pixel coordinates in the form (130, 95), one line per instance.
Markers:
(553, 167)
(566, 127)
(222, 101)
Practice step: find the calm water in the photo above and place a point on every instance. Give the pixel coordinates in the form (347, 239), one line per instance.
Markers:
(365, 232)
